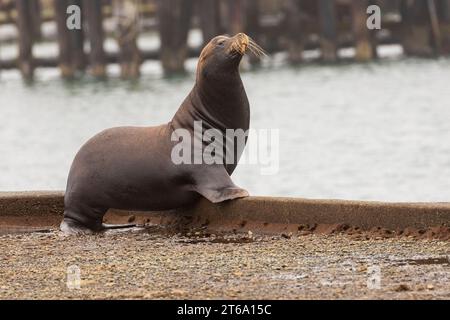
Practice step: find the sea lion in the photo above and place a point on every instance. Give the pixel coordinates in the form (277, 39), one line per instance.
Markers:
(130, 168)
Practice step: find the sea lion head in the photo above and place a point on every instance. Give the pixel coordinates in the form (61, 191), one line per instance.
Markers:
(223, 54)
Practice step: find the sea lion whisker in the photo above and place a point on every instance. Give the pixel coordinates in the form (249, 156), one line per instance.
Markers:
(258, 53)
(241, 47)
(234, 47)
(256, 47)
(253, 45)
(252, 50)
(237, 47)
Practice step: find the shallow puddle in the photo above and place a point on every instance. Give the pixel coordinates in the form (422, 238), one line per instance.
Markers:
(428, 261)
(21, 229)
(216, 240)
(441, 260)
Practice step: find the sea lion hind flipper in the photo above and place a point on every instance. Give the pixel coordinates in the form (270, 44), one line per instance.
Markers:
(72, 227)
(216, 185)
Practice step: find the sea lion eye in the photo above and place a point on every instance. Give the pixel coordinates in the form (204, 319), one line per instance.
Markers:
(221, 43)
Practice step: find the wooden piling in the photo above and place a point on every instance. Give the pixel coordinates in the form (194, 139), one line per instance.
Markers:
(174, 24)
(327, 22)
(63, 38)
(92, 12)
(444, 17)
(294, 31)
(77, 43)
(444, 10)
(415, 28)
(252, 26)
(126, 15)
(435, 28)
(425, 29)
(363, 44)
(210, 20)
(25, 34)
(236, 16)
(36, 19)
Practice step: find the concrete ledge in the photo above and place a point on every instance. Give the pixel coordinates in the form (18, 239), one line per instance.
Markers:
(362, 214)
(252, 212)
(31, 203)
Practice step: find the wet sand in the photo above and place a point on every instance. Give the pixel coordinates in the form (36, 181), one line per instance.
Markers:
(148, 264)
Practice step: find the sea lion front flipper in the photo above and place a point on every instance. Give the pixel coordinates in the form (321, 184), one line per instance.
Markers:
(216, 185)
(224, 194)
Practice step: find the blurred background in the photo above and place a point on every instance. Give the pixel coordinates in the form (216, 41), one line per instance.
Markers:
(362, 113)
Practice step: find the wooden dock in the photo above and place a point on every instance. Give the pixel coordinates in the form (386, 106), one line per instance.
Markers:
(421, 27)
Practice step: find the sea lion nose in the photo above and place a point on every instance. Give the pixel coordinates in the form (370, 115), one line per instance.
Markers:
(243, 41)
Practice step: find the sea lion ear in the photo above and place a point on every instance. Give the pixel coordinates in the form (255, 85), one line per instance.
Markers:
(216, 185)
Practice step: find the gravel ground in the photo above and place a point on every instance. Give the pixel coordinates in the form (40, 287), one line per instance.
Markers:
(153, 265)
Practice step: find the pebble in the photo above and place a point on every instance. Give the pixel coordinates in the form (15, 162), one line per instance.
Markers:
(161, 266)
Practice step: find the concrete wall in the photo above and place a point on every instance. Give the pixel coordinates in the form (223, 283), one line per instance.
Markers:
(262, 212)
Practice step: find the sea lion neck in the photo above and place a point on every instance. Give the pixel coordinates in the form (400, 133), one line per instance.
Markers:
(220, 101)
(222, 93)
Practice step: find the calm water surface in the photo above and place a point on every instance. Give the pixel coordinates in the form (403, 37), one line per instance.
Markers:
(375, 132)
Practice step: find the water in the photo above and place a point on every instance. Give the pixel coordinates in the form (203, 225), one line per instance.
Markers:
(378, 131)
